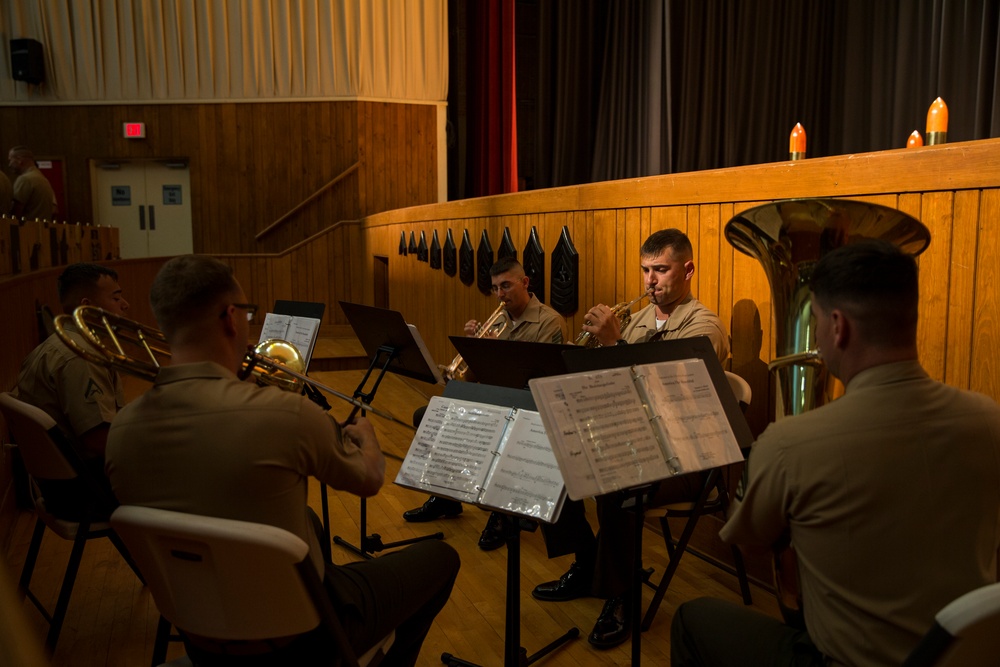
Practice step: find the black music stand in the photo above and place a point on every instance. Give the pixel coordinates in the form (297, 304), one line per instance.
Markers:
(394, 346)
(510, 363)
(515, 655)
(617, 356)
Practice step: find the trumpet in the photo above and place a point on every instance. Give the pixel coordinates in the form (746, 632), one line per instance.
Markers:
(623, 311)
(458, 369)
(131, 347)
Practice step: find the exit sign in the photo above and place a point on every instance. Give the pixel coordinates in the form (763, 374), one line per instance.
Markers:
(134, 130)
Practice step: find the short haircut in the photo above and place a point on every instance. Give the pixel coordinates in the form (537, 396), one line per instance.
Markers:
(505, 264)
(875, 283)
(674, 239)
(23, 152)
(79, 281)
(186, 288)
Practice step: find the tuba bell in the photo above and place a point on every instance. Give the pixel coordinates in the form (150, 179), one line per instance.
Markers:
(623, 311)
(788, 238)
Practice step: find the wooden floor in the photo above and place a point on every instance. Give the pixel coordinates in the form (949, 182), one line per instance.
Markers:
(112, 618)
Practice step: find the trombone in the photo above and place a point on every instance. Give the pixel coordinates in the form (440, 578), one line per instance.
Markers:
(131, 347)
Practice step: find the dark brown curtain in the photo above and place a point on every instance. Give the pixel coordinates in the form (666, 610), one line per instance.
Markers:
(638, 87)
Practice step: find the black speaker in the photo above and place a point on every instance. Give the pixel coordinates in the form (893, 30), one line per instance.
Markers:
(26, 60)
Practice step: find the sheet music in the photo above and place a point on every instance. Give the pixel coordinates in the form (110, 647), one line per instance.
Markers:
(691, 414)
(454, 448)
(299, 331)
(526, 480)
(604, 427)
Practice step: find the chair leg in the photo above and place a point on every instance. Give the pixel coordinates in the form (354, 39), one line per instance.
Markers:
(29, 560)
(62, 604)
(123, 550)
(741, 574)
(161, 641)
(668, 574)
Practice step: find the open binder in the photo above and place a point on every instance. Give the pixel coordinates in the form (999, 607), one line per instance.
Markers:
(618, 428)
(489, 455)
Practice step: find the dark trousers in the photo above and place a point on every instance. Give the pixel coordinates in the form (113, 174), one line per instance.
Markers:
(610, 552)
(713, 632)
(402, 591)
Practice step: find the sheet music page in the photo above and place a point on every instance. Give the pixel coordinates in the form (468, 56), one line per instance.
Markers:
(454, 448)
(526, 480)
(599, 418)
(691, 414)
(299, 331)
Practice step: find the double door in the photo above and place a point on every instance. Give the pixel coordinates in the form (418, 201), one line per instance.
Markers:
(149, 201)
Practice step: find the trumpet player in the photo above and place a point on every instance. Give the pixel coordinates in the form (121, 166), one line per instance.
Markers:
(603, 563)
(524, 318)
(81, 397)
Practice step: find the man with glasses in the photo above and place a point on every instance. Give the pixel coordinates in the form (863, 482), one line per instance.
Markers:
(525, 318)
(80, 396)
(202, 441)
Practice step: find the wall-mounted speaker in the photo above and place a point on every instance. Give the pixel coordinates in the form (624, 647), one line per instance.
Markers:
(27, 61)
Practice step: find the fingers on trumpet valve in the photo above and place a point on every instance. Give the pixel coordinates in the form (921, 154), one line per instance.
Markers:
(471, 327)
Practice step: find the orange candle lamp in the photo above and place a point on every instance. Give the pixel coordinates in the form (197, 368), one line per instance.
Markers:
(937, 123)
(797, 143)
(915, 140)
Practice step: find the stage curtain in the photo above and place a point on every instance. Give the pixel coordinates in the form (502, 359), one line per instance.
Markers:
(205, 50)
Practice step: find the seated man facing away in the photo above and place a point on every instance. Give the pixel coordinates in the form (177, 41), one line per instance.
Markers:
(81, 397)
(890, 495)
(202, 441)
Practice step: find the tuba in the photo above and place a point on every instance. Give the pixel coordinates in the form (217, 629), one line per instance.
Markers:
(458, 369)
(623, 311)
(788, 238)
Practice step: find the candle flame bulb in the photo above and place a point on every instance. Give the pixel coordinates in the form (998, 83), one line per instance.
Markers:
(915, 140)
(937, 123)
(797, 143)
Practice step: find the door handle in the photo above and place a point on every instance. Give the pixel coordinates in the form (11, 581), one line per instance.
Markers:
(142, 218)
(152, 218)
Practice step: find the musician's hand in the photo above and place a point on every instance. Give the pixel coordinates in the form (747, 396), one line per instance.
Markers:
(471, 327)
(603, 324)
(362, 434)
(360, 431)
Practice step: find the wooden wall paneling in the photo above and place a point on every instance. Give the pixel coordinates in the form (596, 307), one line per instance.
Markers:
(6, 267)
(936, 214)
(726, 301)
(379, 159)
(708, 252)
(601, 259)
(362, 134)
(961, 288)
(985, 337)
(232, 220)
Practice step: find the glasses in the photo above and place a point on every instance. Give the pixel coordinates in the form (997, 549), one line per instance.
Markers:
(251, 309)
(505, 286)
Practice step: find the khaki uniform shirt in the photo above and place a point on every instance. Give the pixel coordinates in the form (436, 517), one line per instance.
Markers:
(891, 495)
(34, 191)
(538, 324)
(689, 319)
(77, 394)
(201, 441)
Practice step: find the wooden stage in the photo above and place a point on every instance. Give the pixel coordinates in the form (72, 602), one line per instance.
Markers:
(112, 619)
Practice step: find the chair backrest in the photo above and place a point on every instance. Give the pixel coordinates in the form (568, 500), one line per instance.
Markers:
(741, 389)
(966, 632)
(42, 444)
(221, 578)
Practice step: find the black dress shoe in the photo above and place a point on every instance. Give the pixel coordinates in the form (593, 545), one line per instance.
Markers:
(613, 626)
(492, 537)
(576, 583)
(434, 508)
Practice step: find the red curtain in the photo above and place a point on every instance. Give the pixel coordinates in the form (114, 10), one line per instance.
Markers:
(493, 103)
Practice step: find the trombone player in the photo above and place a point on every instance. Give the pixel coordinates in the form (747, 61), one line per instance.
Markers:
(521, 316)
(603, 564)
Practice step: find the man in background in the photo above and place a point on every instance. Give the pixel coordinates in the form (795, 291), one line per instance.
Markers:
(33, 196)
(889, 495)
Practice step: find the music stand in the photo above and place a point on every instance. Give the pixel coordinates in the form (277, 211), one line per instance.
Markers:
(394, 346)
(510, 363)
(311, 309)
(515, 655)
(700, 347)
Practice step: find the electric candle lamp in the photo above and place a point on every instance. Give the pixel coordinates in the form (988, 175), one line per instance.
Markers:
(937, 123)
(797, 143)
(915, 140)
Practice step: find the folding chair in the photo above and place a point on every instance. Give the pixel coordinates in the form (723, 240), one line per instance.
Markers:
(965, 633)
(49, 459)
(238, 592)
(713, 499)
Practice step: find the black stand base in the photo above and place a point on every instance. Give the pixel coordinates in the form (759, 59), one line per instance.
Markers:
(515, 655)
